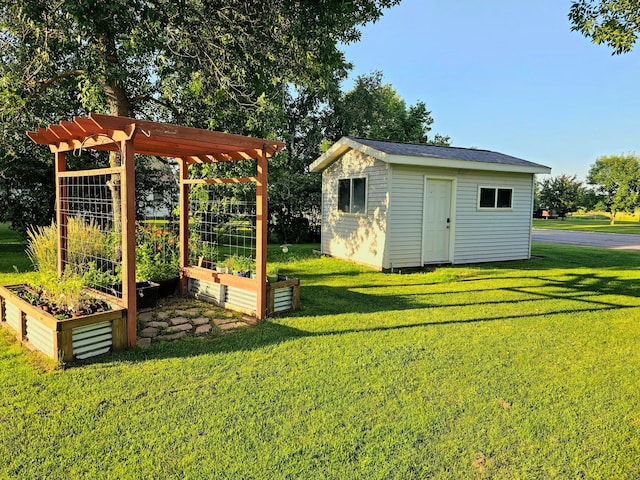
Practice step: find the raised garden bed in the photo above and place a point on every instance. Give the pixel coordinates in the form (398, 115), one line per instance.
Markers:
(240, 294)
(62, 339)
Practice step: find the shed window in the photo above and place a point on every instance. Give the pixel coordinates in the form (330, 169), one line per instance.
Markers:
(352, 195)
(495, 198)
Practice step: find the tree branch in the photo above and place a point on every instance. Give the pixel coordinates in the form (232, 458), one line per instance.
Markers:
(50, 81)
(150, 98)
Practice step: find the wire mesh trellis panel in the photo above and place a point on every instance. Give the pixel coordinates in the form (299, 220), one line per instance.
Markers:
(158, 230)
(158, 254)
(221, 225)
(90, 228)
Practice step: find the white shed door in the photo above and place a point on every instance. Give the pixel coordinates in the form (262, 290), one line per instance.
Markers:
(436, 231)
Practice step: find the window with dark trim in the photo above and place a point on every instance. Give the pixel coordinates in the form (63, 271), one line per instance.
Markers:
(352, 195)
(495, 198)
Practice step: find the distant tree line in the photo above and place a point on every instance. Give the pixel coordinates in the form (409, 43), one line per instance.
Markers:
(613, 186)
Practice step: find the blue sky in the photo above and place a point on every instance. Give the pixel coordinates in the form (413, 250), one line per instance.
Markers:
(508, 76)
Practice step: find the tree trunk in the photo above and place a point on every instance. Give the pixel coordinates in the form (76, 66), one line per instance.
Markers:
(612, 219)
(117, 99)
(119, 105)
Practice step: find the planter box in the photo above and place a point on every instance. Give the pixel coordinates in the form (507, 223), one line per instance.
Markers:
(283, 295)
(146, 295)
(206, 290)
(63, 340)
(239, 294)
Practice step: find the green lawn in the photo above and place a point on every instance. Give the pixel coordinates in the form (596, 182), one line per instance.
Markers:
(589, 225)
(12, 257)
(508, 370)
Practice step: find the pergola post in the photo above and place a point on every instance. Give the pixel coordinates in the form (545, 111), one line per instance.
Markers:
(261, 234)
(128, 209)
(184, 224)
(61, 210)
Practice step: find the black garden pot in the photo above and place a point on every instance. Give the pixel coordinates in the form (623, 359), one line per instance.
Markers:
(167, 287)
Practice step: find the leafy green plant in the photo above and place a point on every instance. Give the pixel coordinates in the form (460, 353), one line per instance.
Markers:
(272, 273)
(97, 277)
(240, 264)
(200, 251)
(157, 253)
(61, 295)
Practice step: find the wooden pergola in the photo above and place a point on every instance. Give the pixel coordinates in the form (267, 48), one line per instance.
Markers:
(190, 146)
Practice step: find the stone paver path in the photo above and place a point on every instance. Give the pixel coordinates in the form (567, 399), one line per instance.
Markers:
(177, 317)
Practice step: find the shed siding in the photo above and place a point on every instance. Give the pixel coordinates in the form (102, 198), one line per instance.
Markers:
(490, 235)
(480, 236)
(360, 238)
(405, 214)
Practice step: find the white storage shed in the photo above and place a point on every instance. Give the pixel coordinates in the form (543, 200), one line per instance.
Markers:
(397, 205)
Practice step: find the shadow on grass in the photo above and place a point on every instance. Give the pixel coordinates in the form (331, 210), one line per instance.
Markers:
(583, 290)
(272, 333)
(324, 300)
(368, 292)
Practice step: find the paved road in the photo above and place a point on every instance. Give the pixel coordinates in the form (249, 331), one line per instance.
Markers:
(619, 241)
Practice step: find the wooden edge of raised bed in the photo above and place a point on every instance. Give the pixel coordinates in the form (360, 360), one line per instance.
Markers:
(199, 273)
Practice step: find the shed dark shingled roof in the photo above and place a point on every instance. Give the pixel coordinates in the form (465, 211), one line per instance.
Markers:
(452, 153)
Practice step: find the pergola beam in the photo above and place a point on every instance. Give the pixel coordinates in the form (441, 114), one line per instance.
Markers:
(155, 139)
(211, 181)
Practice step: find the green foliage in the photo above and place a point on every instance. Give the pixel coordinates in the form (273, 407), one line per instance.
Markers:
(563, 193)
(62, 297)
(65, 291)
(614, 23)
(42, 248)
(157, 253)
(90, 251)
(27, 189)
(617, 180)
(294, 193)
(375, 110)
(591, 222)
(242, 264)
(97, 277)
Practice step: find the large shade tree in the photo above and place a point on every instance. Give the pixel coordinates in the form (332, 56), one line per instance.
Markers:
(226, 65)
(126, 57)
(373, 109)
(616, 178)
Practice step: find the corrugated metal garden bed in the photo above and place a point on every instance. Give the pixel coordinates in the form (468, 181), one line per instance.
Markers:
(239, 294)
(67, 339)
